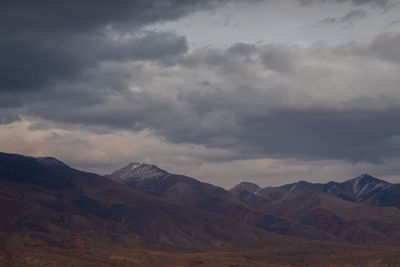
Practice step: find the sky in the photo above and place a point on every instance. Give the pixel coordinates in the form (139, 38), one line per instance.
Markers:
(267, 91)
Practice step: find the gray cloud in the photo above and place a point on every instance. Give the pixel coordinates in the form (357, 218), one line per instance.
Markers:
(348, 19)
(386, 46)
(393, 23)
(280, 58)
(315, 102)
(355, 2)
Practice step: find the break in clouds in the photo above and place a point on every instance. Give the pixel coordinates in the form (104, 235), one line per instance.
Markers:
(93, 65)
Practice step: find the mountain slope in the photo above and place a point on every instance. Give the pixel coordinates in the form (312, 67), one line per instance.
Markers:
(53, 215)
(334, 207)
(348, 220)
(246, 192)
(191, 192)
(54, 205)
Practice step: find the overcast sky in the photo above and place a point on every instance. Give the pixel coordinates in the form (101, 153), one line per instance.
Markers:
(268, 91)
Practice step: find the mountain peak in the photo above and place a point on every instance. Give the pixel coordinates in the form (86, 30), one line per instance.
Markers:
(137, 171)
(366, 178)
(366, 183)
(245, 186)
(50, 161)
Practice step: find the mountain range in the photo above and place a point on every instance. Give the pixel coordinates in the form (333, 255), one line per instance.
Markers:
(142, 215)
(364, 189)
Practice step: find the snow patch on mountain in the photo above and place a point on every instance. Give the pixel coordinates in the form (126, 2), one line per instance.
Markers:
(138, 172)
(365, 183)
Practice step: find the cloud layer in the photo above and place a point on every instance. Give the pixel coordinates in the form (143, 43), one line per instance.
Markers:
(72, 66)
(275, 101)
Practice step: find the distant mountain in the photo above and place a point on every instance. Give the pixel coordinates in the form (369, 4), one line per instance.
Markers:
(367, 190)
(276, 209)
(246, 192)
(190, 192)
(345, 210)
(364, 189)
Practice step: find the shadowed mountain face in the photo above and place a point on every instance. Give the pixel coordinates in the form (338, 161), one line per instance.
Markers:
(346, 210)
(246, 192)
(348, 220)
(44, 202)
(277, 208)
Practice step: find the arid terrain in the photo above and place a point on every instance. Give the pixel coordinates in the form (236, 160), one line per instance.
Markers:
(53, 215)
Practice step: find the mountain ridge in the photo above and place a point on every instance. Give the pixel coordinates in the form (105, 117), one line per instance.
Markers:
(364, 189)
(56, 201)
(193, 193)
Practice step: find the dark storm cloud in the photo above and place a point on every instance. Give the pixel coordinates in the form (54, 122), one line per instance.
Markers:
(46, 41)
(320, 134)
(36, 63)
(274, 101)
(241, 121)
(7, 116)
(46, 16)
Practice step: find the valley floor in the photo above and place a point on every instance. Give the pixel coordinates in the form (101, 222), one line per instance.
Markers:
(327, 255)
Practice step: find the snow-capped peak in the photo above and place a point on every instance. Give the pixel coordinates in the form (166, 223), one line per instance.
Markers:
(135, 172)
(366, 183)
